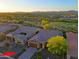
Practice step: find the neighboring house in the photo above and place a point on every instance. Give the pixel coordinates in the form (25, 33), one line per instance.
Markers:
(40, 40)
(28, 54)
(73, 44)
(6, 28)
(23, 34)
(5, 57)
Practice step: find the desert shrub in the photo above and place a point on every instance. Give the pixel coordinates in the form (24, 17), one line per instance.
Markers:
(57, 45)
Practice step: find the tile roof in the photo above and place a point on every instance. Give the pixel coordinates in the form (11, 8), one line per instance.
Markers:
(28, 30)
(28, 53)
(44, 35)
(6, 27)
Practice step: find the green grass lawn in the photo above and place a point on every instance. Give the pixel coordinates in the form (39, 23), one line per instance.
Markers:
(65, 26)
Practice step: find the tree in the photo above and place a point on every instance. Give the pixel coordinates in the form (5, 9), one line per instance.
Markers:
(20, 21)
(39, 55)
(44, 21)
(46, 24)
(57, 45)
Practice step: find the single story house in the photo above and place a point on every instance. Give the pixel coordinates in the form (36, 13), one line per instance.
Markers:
(23, 34)
(6, 28)
(40, 40)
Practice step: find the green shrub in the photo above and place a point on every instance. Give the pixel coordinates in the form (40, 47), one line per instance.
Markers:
(39, 55)
(57, 45)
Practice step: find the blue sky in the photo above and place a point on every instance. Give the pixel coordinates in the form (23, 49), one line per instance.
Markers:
(37, 5)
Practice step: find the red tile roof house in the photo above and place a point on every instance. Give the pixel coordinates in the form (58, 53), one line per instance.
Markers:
(40, 40)
(73, 44)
